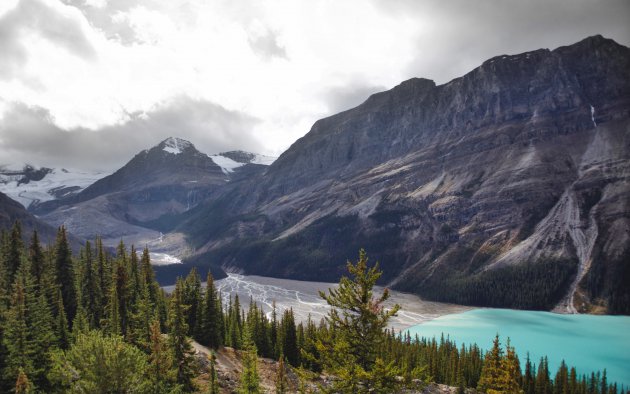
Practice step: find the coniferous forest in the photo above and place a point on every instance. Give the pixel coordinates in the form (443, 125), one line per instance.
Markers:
(97, 322)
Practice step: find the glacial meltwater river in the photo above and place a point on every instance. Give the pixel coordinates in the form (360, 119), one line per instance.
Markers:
(587, 342)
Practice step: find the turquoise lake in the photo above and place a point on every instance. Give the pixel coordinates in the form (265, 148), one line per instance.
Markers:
(588, 342)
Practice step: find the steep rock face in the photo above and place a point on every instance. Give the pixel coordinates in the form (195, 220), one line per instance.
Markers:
(508, 187)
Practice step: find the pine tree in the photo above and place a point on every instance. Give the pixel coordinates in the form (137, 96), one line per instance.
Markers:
(22, 384)
(289, 338)
(141, 320)
(112, 323)
(511, 370)
(191, 296)
(543, 383)
(14, 252)
(65, 273)
(90, 293)
(17, 341)
(210, 329)
(282, 385)
(61, 323)
(250, 380)
(213, 378)
(30, 314)
(37, 259)
(161, 373)
(357, 322)
(491, 374)
(96, 363)
(178, 342)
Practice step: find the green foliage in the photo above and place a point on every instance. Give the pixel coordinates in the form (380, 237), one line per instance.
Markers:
(100, 364)
(282, 385)
(250, 380)
(357, 321)
(532, 286)
(120, 295)
(65, 273)
(178, 342)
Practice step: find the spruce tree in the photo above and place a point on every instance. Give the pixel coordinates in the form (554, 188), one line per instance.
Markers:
(213, 378)
(161, 372)
(289, 338)
(492, 374)
(22, 384)
(17, 339)
(14, 252)
(65, 273)
(210, 326)
(179, 344)
(250, 380)
(37, 259)
(282, 385)
(357, 321)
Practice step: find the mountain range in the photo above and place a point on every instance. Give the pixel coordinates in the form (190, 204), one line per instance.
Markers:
(506, 187)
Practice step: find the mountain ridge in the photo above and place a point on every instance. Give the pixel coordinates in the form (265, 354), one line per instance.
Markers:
(440, 182)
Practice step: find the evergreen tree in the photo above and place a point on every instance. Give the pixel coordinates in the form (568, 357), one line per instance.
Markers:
(178, 342)
(100, 364)
(90, 293)
(17, 341)
(357, 322)
(191, 297)
(213, 378)
(161, 373)
(37, 259)
(61, 323)
(282, 385)
(250, 380)
(14, 252)
(65, 273)
(543, 383)
(29, 329)
(288, 337)
(492, 374)
(210, 326)
(22, 384)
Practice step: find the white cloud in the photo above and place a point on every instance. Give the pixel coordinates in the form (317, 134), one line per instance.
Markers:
(95, 65)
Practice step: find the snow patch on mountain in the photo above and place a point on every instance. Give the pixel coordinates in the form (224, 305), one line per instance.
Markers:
(229, 161)
(175, 145)
(227, 165)
(55, 183)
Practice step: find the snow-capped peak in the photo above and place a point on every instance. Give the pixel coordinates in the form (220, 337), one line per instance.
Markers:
(30, 185)
(175, 145)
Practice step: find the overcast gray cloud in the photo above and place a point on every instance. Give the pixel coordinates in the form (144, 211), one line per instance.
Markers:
(28, 135)
(344, 97)
(88, 83)
(460, 34)
(34, 16)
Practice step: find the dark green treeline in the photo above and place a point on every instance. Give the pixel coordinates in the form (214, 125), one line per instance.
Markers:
(78, 323)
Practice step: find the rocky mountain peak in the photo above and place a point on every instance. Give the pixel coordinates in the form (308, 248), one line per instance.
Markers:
(175, 145)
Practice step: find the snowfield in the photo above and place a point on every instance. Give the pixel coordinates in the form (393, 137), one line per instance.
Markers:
(56, 183)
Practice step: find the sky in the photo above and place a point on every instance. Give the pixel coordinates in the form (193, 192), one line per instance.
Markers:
(86, 84)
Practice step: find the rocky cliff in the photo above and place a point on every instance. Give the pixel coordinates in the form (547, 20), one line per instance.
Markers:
(509, 186)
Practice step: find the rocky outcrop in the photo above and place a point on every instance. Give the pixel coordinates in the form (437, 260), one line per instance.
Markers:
(519, 169)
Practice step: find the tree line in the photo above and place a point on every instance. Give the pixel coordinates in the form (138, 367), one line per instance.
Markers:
(99, 322)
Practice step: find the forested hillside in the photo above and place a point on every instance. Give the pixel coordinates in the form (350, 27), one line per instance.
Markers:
(100, 323)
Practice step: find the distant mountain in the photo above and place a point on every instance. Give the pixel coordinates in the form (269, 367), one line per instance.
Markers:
(12, 211)
(509, 186)
(139, 202)
(31, 186)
